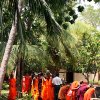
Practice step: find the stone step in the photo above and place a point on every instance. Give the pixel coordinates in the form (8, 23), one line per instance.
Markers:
(95, 98)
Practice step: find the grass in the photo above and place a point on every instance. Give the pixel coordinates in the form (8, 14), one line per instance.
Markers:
(5, 96)
(5, 92)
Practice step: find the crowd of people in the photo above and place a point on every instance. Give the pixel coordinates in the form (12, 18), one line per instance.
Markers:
(50, 87)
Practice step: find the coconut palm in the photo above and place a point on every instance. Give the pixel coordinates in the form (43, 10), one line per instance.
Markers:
(40, 7)
(23, 15)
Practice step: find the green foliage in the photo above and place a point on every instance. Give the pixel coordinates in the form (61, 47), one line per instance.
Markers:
(39, 19)
(67, 18)
(3, 97)
(99, 82)
(75, 17)
(89, 49)
(72, 21)
(5, 86)
(97, 1)
(65, 25)
(91, 16)
(68, 14)
(71, 12)
(80, 8)
(78, 29)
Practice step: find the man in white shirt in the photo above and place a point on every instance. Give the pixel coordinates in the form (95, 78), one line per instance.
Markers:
(56, 81)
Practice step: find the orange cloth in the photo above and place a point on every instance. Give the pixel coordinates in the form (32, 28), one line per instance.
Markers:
(23, 84)
(75, 84)
(62, 92)
(36, 94)
(71, 95)
(34, 89)
(88, 93)
(12, 89)
(43, 91)
(26, 83)
(47, 90)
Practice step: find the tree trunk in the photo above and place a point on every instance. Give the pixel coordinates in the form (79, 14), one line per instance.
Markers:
(94, 76)
(86, 76)
(19, 76)
(7, 53)
(9, 45)
(88, 80)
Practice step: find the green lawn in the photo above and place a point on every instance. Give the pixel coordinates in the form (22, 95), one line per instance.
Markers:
(5, 95)
(5, 92)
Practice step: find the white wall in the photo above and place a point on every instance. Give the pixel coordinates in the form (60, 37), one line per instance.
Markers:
(76, 76)
(62, 74)
(79, 76)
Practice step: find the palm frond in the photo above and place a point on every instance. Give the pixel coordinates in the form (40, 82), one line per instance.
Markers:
(52, 26)
(2, 48)
(41, 7)
(56, 5)
(71, 51)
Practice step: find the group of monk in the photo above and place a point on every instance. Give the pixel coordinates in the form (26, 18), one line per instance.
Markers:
(76, 91)
(46, 87)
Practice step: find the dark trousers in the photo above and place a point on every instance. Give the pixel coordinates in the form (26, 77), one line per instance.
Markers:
(56, 91)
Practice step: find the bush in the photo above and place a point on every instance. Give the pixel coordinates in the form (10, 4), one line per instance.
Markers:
(91, 81)
(5, 86)
(95, 82)
(3, 97)
(99, 82)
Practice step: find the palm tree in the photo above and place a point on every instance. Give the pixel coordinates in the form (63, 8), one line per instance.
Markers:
(10, 41)
(22, 25)
(34, 6)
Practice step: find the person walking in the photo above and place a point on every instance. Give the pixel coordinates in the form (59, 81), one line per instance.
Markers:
(71, 95)
(82, 89)
(12, 88)
(47, 91)
(89, 93)
(26, 83)
(57, 82)
(34, 88)
(62, 92)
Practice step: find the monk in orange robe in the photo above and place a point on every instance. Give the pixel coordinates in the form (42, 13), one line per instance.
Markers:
(23, 85)
(12, 88)
(62, 92)
(71, 95)
(43, 91)
(26, 83)
(48, 90)
(88, 93)
(34, 89)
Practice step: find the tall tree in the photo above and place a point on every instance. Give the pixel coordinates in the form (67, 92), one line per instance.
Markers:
(18, 7)
(88, 45)
(91, 16)
(34, 7)
(40, 8)
(89, 51)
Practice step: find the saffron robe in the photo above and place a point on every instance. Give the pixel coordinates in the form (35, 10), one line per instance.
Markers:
(71, 95)
(88, 93)
(34, 89)
(26, 84)
(12, 89)
(47, 90)
(62, 92)
(43, 91)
